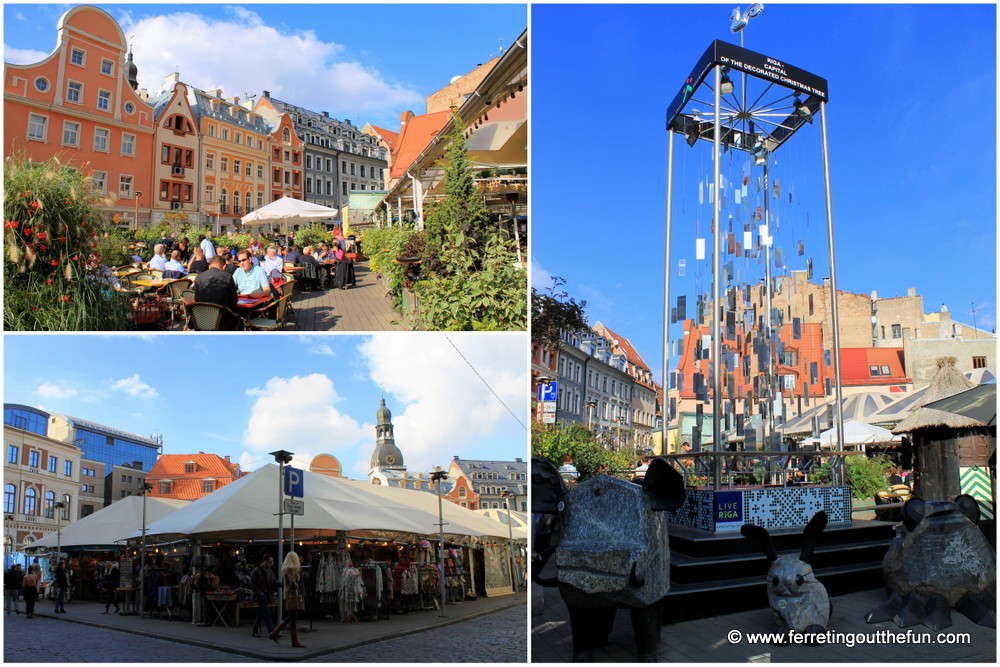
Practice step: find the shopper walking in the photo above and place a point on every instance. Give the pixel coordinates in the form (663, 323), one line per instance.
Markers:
(109, 586)
(295, 602)
(264, 584)
(29, 585)
(62, 585)
(12, 581)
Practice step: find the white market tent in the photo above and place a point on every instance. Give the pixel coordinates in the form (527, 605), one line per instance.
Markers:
(518, 521)
(458, 520)
(856, 434)
(247, 508)
(288, 211)
(111, 524)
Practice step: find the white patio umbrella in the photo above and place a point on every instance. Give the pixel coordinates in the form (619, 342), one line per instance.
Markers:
(288, 211)
(856, 434)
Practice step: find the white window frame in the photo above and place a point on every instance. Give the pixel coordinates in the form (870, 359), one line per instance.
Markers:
(99, 182)
(125, 189)
(125, 138)
(66, 125)
(225, 134)
(249, 169)
(210, 161)
(260, 171)
(209, 193)
(104, 95)
(107, 61)
(83, 56)
(43, 121)
(69, 87)
(107, 140)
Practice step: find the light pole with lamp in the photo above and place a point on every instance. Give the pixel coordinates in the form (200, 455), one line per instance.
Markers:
(146, 488)
(8, 520)
(281, 457)
(591, 407)
(137, 195)
(509, 497)
(438, 476)
(621, 420)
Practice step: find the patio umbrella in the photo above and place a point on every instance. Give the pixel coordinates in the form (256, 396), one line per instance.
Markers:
(856, 407)
(288, 211)
(855, 433)
(979, 403)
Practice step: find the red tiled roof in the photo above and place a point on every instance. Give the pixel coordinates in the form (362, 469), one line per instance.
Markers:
(856, 363)
(626, 347)
(388, 136)
(206, 465)
(414, 137)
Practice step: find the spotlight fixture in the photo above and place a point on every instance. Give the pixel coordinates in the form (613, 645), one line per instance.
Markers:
(726, 85)
(802, 110)
(486, 116)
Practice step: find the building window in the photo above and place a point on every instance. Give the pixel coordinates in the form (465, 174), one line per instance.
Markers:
(66, 503)
(104, 100)
(885, 371)
(260, 199)
(129, 108)
(238, 137)
(343, 166)
(249, 201)
(353, 170)
(41, 84)
(978, 362)
(100, 182)
(77, 56)
(71, 134)
(897, 331)
(68, 468)
(11, 453)
(260, 171)
(128, 145)
(107, 67)
(125, 187)
(48, 505)
(249, 171)
(873, 370)
(210, 161)
(38, 127)
(211, 130)
(236, 167)
(210, 193)
(189, 467)
(225, 134)
(102, 138)
(86, 510)
(33, 458)
(164, 487)
(207, 486)
(224, 163)
(30, 500)
(9, 498)
(74, 92)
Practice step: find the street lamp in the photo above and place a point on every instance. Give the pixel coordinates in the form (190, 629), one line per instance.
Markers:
(509, 497)
(591, 407)
(137, 195)
(56, 507)
(281, 457)
(438, 476)
(8, 519)
(146, 488)
(621, 420)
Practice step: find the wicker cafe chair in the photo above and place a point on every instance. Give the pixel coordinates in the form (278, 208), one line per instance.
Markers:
(175, 297)
(288, 289)
(258, 321)
(207, 316)
(187, 295)
(156, 273)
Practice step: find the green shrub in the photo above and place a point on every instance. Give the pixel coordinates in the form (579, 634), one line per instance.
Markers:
(866, 475)
(312, 235)
(576, 440)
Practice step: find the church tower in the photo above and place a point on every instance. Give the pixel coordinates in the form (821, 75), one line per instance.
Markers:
(386, 455)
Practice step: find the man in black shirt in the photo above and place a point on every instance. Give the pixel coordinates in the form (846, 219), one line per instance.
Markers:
(218, 287)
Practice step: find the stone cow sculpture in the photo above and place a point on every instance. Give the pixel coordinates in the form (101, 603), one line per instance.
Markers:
(940, 560)
(799, 600)
(612, 550)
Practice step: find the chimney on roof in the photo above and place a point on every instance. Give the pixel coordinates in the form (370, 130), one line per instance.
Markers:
(227, 457)
(326, 114)
(455, 458)
(912, 291)
(267, 94)
(518, 460)
(217, 92)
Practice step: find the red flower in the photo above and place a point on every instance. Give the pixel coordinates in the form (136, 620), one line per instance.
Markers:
(41, 235)
(11, 224)
(27, 194)
(34, 307)
(44, 248)
(67, 202)
(64, 298)
(36, 205)
(27, 231)
(55, 262)
(74, 257)
(50, 281)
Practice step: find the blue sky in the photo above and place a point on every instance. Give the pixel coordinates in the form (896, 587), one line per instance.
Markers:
(912, 142)
(249, 395)
(366, 63)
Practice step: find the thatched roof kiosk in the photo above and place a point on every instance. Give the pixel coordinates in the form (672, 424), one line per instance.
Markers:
(943, 442)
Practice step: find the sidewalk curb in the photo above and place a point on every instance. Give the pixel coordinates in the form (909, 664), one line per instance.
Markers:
(293, 655)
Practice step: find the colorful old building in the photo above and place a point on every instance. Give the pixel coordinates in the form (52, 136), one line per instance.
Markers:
(177, 155)
(80, 105)
(191, 476)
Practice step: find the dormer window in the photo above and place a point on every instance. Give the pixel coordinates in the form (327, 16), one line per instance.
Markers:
(190, 466)
(165, 486)
(207, 485)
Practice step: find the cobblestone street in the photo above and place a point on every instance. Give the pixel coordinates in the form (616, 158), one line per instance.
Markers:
(497, 637)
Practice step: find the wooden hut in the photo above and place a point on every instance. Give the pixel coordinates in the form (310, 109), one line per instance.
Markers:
(944, 443)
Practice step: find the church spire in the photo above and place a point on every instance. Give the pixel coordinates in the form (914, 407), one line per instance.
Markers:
(133, 71)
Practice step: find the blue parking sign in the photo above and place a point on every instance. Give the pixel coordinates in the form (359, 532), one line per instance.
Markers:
(293, 482)
(547, 391)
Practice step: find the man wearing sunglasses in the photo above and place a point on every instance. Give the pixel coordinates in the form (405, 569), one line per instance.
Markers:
(250, 280)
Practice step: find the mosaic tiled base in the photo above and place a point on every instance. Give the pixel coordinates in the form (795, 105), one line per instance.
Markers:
(770, 508)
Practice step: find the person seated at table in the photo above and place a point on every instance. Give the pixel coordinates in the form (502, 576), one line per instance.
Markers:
(253, 255)
(229, 261)
(343, 276)
(255, 245)
(312, 275)
(184, 248)
(215, 285)
(338, 234)
(175, 263)
(250, 280)
(198, 261)
(293, 254)
(100, 275)
(272, 264)
(159, 259)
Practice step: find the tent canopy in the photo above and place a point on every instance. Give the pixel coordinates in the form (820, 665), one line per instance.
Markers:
(247, 508)
(111, 524)
(856, 407)
(518, 521)
(855, 433)
(288, 211)
(978, 403)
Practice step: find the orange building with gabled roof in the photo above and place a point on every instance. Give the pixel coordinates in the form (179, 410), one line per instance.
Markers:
(80, 104)
(191, 476)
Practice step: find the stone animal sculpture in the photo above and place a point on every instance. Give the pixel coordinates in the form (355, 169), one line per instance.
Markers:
(799, 601)
(940, 560)
(612, 550)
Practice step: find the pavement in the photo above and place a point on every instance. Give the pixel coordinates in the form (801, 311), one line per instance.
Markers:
(416, 637)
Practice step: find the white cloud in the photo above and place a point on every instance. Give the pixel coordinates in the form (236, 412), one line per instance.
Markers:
(308, 70)
(319, 349)
(22, 56)
(446, 408)
(134, 386)
(49, 390)
(297, 414)
(541, 278)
